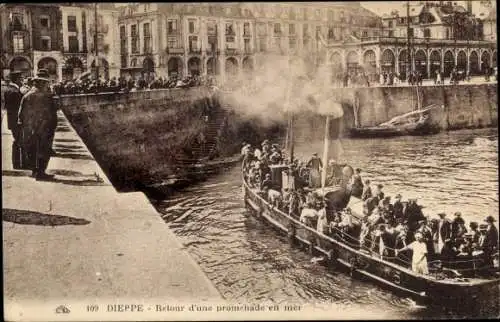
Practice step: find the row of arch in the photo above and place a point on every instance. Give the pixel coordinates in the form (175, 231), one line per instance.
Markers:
(175, 65)
(72, 68)
(388, 61)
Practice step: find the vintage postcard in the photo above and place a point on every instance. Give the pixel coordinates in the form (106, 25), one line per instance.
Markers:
(249, 160)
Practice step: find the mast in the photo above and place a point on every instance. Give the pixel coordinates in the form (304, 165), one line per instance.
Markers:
(408, 54)
(96, 54)
(325, 153)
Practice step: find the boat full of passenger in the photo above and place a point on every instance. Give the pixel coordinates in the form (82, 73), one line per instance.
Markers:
(329, 209)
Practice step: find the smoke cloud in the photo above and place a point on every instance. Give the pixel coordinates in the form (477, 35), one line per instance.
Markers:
(280, 84)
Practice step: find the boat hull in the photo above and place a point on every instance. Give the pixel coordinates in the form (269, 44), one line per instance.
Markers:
(448, 293)
(381, 132)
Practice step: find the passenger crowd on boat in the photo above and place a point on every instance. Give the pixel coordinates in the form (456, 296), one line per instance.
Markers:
(121, 84)
(391, 229)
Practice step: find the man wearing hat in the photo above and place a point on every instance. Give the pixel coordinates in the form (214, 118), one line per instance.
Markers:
(397, 208)
(443, 233)
(489, 243)
(12, 97)
(38, 121)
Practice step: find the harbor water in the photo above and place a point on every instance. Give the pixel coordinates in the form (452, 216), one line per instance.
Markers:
(248, 261)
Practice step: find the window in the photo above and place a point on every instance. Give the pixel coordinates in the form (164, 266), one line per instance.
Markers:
(193, 43)
(291, 29)
(342, 17)
(331, 34)
(172, 42)
(191, 26)
(246, 29)
(229, 29)
(172, 26)
(147, 38)
(135, 39)
(17, 18)
(292, 43)
(318, 30)
(72, 23)
(73, 44)
(305, 30)
(247, 46)
(277, 29)
(390, 23)
(331, 16)
(411, 32)
(123, 46)
(305, 42)
(212, 28)
(18, 42)
(262, 44)
(364, 34)
(427, 33)
(45, 41)
(391, 33)
(44, 21)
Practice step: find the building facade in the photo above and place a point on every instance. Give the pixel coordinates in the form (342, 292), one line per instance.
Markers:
(31, 38)
(57, 37)
(442, 37)
(227, 40)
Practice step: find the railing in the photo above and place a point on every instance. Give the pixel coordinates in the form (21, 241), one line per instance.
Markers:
(195, 51)
(211, 52)
(231, 51)
(17, 27)
(176, 50)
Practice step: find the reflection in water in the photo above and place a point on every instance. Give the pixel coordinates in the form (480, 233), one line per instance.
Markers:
(248, 261)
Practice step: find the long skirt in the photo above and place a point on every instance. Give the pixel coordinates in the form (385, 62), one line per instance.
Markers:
(314, 178)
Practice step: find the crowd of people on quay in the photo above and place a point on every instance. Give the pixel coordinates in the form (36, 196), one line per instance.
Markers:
(360, 78)
(396, 230)
(121, 84)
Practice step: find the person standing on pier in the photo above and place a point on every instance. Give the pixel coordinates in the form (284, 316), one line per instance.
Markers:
(12, 98)
(38, 121)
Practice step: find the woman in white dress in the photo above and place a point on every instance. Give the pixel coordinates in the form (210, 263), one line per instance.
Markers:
(419, 257)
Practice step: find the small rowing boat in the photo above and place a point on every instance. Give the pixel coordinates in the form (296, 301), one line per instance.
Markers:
(418, 122)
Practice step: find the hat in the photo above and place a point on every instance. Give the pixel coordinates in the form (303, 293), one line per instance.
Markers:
(315, 153)
(458, 214)
(490, 219)
(468, 235)
(14, 74)
(380, 185)
(398, 196)
(483, 227)
(265, 142)
(42, 75)
(473, 224)
(442, 214)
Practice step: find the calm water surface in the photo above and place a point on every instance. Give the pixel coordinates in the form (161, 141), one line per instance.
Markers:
(248, 261)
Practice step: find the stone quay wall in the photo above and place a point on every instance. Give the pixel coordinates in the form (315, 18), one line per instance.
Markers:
(465, 105)
(145, 137)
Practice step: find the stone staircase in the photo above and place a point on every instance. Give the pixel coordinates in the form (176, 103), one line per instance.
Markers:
(202, 151)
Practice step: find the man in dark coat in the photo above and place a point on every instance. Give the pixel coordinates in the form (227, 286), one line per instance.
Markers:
(12, 98)
(443, 232)
(38, 121)
(413, 214)
(489, 243)
(315, 165)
